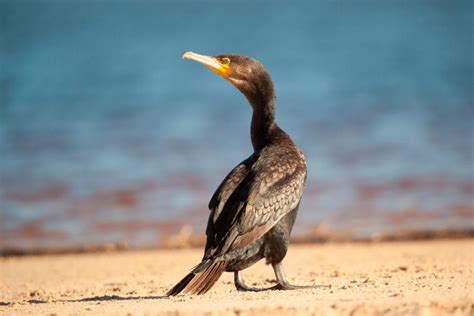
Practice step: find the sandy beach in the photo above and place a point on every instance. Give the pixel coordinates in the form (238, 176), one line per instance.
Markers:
(387, 278)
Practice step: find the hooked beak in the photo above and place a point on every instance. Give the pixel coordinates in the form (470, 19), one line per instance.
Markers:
(210, 62)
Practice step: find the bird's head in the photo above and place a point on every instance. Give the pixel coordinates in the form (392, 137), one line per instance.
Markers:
(245, 73)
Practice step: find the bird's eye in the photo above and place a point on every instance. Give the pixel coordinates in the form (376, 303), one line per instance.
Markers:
(225, 61)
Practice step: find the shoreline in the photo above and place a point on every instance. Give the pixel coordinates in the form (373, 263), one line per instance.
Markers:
(186, 239)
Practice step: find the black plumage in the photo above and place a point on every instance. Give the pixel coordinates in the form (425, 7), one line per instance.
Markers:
(254, 208)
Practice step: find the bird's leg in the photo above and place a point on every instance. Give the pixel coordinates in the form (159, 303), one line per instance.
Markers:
(283, 283)
(241, 286)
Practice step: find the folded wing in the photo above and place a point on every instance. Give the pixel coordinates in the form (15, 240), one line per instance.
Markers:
(250, 201)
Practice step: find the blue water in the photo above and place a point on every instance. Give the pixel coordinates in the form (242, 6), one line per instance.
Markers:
(108, 135)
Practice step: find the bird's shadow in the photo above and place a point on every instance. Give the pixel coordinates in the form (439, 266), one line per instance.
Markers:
(102, 298)
(99, 298)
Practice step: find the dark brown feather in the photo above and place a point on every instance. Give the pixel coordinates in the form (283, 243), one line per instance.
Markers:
(200, 279)
(205, 279)
(270, 189)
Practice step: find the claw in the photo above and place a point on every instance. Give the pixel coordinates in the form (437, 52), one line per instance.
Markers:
(287, 286)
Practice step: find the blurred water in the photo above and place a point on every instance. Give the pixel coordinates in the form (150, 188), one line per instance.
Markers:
(107, 135)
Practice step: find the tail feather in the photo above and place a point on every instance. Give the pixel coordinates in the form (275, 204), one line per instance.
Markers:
(211, 280)
(206, 280)
(200, 279)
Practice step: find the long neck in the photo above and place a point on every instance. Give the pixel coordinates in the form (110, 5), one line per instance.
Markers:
(261, 95)
(263, 120)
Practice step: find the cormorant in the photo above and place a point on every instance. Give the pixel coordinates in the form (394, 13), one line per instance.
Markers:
(254, 208)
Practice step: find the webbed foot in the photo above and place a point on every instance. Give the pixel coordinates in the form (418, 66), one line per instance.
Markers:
(241, 286)
(283, 283)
